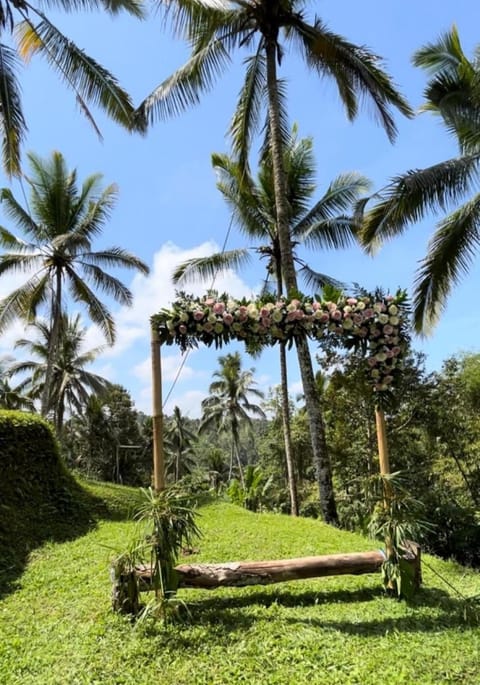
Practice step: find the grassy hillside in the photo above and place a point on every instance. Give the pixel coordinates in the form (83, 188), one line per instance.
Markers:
(57, 628)
(39, 498)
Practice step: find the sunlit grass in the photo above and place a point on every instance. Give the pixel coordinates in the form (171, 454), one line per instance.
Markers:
(58, 627)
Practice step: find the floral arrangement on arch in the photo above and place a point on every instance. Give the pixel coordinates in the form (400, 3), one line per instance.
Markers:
(376, 324)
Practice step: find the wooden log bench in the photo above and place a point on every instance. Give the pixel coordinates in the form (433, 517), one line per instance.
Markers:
(245, 573)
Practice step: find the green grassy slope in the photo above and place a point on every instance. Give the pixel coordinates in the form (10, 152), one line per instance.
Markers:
(40, 500)
(58, 627)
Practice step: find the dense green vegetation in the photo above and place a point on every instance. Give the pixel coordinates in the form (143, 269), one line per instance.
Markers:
(58, 627)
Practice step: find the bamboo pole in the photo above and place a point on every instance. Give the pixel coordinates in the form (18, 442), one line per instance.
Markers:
(384, 460)
(382, 441)
(158, 454)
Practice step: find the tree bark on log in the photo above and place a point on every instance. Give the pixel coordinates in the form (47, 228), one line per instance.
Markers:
(245, 573)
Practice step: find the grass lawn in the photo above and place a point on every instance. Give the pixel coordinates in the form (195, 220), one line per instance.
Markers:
(56, 626)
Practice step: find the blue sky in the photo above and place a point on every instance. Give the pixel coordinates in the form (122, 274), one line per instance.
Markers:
(169, 208)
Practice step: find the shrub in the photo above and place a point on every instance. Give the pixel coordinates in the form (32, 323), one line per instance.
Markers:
(39, 499)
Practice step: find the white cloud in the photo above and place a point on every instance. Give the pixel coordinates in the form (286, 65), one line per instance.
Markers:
(8, 339)
(170, 368)
(295, 389)
(190, 403)
(155, 291)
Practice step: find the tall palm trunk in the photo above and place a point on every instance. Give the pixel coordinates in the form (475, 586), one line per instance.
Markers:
(287, 435)
(236, 452)
(317, 429)
(55, 320)
(292, 484)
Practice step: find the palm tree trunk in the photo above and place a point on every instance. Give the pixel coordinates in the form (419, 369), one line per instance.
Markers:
(292, 485)
(287, 435)
(55, 317)
(317, 431)
(235, 443)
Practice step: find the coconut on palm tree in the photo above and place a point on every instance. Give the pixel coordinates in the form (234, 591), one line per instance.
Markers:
(453, 93)
(60, 226)
(228, 406)
(325, 225)
(71, 383)
(215, 30)
(36, 34)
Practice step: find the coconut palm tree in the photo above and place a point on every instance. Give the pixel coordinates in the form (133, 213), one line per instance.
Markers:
(12, 397)
(325, 225)
(453, 93)
(179, 442)
(215, 29)
(71, 383)
(35, 33)
(228, 407)
(60, 225)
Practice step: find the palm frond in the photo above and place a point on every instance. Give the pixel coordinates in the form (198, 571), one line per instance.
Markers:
(450, 255)
(116, 256)
(190, 17)
(182, 90)
(409, 196)
(355, 69)
(445, 55)
(245, 122)
(204, 268)
(316, 281)
(12, 263)
(340, 196)
(89, 212)
(102, 281)
(88, 79)
(248, 205)
(332, 234)
(285, 131)
(133, 7)
(97, 311)
(12, 121)
(22, 303)
(14, 210)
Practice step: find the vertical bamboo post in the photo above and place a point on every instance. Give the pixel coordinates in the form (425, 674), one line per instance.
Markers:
(384, 464)
(158, 455)
(382, 441)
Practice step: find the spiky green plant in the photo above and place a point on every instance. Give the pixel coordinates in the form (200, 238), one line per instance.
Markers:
(396, 519)
(167, 524)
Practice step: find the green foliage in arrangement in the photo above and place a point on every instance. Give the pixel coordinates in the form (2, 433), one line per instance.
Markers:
(39, 499)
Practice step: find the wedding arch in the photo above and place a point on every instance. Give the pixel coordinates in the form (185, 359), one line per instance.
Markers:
(373, 323)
